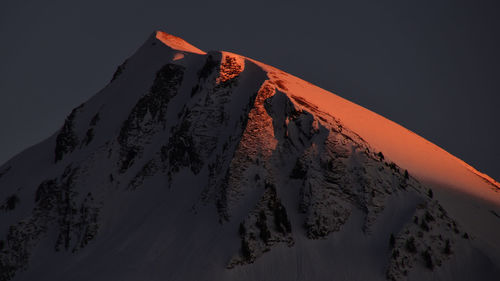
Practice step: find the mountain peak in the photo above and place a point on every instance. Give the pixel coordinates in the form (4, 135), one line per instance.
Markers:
(213, 166)
(177, 43)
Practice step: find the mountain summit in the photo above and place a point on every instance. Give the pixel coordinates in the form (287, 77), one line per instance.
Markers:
(193, 165)
(177, 43)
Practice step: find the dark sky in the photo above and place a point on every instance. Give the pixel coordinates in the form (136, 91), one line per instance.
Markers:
(431, 66)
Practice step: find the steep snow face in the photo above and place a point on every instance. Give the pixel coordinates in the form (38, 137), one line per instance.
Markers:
(213, 166)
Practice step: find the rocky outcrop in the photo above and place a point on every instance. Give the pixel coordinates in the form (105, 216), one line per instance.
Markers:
(60, 207)
(148, 115)
(264, 227)
(67, 139)
(429, 241)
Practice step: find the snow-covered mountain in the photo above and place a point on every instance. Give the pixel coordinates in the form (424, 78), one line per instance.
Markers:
(212, 166)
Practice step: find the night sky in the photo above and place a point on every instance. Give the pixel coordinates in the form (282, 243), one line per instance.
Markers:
(431, 66)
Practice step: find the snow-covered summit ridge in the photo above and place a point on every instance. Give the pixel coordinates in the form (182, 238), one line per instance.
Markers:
(421, 157)
(424, 159)
(177, 43)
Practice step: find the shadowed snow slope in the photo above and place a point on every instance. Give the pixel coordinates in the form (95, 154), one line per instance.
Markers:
(193, 165)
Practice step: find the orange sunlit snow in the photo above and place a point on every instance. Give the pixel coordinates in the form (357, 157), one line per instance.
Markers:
(421, 158)
(177, 43)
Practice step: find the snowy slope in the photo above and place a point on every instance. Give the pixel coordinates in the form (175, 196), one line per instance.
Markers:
(193, 165)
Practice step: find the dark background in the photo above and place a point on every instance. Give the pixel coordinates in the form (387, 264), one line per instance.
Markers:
(431, 66)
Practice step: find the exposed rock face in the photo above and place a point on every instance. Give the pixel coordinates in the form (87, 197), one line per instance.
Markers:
(148, 115)
(67, 140)
(429, 240)
(265, 226)
(57, 206)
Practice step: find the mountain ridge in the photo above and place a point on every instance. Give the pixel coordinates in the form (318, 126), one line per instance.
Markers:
(263, 162)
